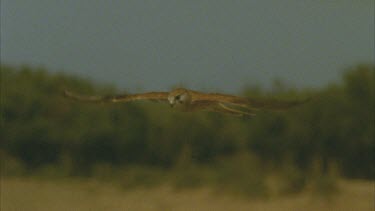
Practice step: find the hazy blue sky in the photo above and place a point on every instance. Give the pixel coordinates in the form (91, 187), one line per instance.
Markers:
(208, 45)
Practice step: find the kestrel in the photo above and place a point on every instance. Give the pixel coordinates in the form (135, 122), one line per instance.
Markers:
(189, 100)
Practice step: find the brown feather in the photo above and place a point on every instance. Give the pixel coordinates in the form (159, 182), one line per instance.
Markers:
(216, 102)
(155, 96)
(268, 104)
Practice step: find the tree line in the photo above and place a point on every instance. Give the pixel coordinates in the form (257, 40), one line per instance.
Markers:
(40, 127)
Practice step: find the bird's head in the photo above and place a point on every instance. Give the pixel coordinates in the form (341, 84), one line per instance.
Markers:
(179, 96)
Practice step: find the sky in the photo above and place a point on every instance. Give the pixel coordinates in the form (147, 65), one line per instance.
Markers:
(209, 45)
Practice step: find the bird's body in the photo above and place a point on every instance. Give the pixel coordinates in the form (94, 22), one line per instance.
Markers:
(190, 100)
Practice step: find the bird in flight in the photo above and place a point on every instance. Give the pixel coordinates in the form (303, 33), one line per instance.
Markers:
(189, 100)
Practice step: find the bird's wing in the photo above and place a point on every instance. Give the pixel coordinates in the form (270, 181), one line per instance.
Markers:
(273, 104)
(154, 96)
(267, 104)
(216, 106)
(237, 112)
(198, 97)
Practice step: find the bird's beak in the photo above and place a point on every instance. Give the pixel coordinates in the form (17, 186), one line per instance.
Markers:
(171, 104)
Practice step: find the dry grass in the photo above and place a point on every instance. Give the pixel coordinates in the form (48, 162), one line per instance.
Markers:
(31, 194)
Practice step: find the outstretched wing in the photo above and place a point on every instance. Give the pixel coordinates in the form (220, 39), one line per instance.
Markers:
(198, 97)
(154, 96)
(232, 111)
(248, 103)
(217, 106)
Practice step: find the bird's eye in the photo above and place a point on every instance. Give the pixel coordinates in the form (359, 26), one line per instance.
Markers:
(178, 97)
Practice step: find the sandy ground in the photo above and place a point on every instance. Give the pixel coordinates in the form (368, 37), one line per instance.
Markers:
(30, 194)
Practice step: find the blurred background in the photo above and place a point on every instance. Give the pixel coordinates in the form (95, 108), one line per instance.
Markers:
(59, 154)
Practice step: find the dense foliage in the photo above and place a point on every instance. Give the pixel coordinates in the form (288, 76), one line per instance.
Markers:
(41, 128)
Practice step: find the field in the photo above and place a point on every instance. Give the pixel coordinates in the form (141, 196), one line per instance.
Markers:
(36, 194)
